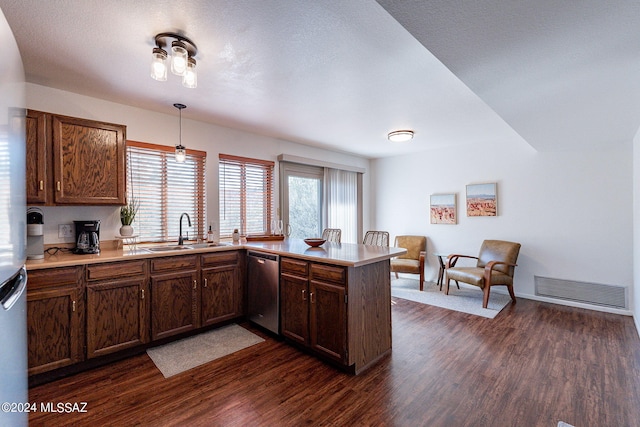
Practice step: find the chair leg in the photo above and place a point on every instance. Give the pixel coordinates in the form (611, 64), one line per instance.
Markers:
(511, 293)
(485, 300)
(422, 280)
(396, 274)
(446, 289)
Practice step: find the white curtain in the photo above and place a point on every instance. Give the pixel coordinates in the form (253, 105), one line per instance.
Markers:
(341, 207)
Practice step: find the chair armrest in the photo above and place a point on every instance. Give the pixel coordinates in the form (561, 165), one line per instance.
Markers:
(453, 258)
(489, 268)
(423, 254)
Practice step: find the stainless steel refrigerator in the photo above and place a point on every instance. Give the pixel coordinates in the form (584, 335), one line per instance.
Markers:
(13, 304)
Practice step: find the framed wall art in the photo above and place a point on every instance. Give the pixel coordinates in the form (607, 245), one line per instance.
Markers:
(482, 199)
(443, 209)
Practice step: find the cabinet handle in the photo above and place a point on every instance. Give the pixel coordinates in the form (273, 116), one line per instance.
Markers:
(141, 293)
(205, 283)
(73, 306)
(41, 185)
(304, 295)
(195, 284)
(58, 186)
(311, 297)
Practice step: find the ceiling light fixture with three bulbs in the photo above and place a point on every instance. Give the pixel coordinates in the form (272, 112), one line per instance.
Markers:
(183, 63)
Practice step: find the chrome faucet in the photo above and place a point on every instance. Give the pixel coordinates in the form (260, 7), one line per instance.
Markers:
(180, 239)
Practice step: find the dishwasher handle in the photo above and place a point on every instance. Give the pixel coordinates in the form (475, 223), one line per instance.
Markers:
(262, 256)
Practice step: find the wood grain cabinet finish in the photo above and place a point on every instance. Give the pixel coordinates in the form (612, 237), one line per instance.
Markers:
(55, 307)
(221, 290)
(117, 309)
(174, 290)
(38, 166)
(84, 161)
(314, 307)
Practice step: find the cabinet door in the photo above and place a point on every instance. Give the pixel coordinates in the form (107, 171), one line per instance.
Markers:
(37, 170)
(220, 290)
(328, 314)
(294, 308)
(88, 161)
(53, 328)
(173, 303)
(116, 316)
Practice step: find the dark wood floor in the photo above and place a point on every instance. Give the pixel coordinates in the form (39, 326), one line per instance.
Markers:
(533, 365)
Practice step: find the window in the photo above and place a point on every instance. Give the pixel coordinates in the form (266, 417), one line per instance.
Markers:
(246, 195)
(165, 189)
(316, 197)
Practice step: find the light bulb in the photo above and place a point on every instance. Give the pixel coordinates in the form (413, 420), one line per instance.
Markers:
(158, 64)
(190, 78)
(178, 58)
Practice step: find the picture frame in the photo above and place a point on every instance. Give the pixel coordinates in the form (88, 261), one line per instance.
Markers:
(482, 199)
(443, 209)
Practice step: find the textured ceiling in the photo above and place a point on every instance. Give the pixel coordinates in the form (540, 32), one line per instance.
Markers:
(342, 74)
(563, 74)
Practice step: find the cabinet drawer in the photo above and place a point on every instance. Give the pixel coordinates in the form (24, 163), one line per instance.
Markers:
(51, 277)
(116, 269)
(329, 273)
(294, 266)
(219, 258)
(173, 263)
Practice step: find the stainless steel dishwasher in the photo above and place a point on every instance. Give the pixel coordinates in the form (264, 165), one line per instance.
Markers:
(264, 290)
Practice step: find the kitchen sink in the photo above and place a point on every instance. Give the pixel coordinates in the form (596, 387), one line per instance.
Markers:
(205, 245)
(168, 248)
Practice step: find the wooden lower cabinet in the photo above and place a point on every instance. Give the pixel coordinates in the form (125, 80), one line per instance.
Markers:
(314, 307)
(55, 304)
(174, 295)
(117, 311)
(222, 289)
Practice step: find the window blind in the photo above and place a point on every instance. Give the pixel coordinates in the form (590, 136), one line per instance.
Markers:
(165, 189)
(246, 195)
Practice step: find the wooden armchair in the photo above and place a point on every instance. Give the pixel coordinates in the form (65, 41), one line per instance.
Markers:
(413, 261)
(495, 266)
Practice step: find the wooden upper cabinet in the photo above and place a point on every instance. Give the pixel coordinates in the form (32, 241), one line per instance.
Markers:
(88, 161)
(38, 184)
(72, 161)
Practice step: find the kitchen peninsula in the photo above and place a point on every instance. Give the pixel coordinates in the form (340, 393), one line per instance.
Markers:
(335, 300)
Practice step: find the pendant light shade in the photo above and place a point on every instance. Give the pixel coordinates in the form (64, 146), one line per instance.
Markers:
(181, 151)
(178, 58)
(159, 64)
(190, 78)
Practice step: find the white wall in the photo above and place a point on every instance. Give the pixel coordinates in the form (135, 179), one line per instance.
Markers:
(571, 211)
(157, 128)
(636, 228)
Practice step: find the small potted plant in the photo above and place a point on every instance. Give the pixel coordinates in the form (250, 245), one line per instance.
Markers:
(127, 215)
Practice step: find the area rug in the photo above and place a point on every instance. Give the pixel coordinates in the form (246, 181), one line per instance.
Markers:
(466, 300)
(182, 355)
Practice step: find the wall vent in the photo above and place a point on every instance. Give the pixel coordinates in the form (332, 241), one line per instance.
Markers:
(585, 292)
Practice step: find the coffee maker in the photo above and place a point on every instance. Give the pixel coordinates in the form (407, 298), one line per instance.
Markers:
(87, 237)
(35, 234)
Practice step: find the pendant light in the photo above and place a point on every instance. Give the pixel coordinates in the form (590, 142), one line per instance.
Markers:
(181, 152)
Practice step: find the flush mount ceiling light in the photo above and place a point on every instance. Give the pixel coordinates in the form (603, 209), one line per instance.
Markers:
(183, 63)
(400, 135)
(181, 152)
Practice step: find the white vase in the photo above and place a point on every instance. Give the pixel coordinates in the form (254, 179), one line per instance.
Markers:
(126, 230)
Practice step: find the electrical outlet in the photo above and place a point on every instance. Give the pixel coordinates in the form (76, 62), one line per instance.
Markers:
(65, 231)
